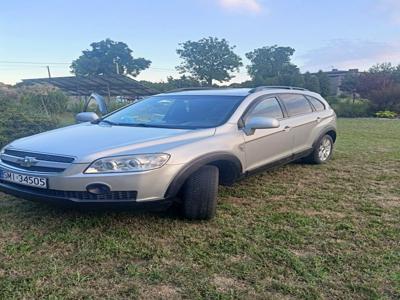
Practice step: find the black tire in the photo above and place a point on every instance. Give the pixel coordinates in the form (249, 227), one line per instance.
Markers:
(200, 194)
(315, 157)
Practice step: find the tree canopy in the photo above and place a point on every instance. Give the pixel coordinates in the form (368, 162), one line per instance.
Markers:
(324, 84)
(173, 83)
(272, 65)
(209, 59)
(107, 57)
(311, 82)
(380, 85)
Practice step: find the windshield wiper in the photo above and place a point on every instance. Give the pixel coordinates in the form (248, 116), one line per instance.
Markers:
(107, 122)
(142, 125)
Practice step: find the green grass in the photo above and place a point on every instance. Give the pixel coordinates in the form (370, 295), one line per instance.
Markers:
(301, 231)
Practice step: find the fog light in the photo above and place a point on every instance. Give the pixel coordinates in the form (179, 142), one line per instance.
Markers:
(98, 189)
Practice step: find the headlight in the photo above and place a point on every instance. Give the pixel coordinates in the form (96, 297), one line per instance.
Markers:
(128, 163)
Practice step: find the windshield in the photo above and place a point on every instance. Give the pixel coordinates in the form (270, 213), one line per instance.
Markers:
(186, 112)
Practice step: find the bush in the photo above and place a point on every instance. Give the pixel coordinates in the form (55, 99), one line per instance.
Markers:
(347, 108)
(52, 102)
(76, 106)
(386, 114)
(15, 124)
(114, 105)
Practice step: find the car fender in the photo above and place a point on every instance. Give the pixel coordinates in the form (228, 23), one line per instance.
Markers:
(324, 132)
(196, 164)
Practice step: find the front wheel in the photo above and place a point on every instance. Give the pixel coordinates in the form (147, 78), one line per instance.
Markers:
(323, 151)
(200, 194)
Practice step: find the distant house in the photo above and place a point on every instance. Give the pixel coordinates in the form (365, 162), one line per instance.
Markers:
(336, 77)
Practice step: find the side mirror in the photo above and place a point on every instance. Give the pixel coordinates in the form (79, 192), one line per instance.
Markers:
(259, 123)
(86, 117)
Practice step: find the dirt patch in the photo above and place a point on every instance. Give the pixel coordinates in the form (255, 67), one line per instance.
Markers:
(315, 213)
(389, 202)
(238, 258)
(224, 284)
(160, 292)
(302, 253)
(326, 213)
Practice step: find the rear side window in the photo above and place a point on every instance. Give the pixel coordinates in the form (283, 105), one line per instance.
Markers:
(296, 104)
(318, 105)
(267, 108)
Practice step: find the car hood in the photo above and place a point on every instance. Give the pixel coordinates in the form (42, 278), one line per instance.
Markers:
(87, 142)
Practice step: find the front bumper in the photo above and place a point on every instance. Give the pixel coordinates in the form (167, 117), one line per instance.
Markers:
(70, 185)
(55, 198)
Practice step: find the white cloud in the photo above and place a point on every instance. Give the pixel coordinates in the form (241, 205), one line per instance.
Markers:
(391, 8)
(248, 5)
(346, 54)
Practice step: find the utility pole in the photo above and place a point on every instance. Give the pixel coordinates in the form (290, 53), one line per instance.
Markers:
(48, 71)
(117, 67)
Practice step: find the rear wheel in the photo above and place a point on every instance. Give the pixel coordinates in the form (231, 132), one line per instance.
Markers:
(200, 194)
(323, 151)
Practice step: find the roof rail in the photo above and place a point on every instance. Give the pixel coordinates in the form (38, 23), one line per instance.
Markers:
(283, 87)
(190, 89)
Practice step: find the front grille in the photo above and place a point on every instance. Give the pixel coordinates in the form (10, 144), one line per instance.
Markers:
(34, 168)
(40, 156)
(47, 163)
(76, 195)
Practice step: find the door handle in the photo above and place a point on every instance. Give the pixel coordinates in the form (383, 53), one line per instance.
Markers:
(318, 120)
(286, 128)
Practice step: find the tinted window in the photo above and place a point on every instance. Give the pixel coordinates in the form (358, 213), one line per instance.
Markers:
(296, 104)
(179, 111)
(318, 105)
(267, 108)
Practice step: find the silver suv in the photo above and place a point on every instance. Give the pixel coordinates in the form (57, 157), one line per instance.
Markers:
(173, 147)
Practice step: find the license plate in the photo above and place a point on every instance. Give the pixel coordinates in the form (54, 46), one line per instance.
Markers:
(34, 181)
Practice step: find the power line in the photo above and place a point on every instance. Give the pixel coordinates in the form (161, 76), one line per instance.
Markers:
(33, 63)
(44, 64)
(60, 64)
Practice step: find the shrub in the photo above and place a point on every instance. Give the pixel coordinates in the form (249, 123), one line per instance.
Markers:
(52, 102)
(386, 114)
(15, 124)
(347, 108)
(76, 106)
(19, 120)
(114, 105)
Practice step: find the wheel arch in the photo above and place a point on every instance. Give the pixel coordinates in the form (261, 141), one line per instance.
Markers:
(331, 131)
(230, 169)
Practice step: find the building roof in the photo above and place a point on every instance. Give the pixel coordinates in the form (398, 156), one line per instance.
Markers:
(105, 85)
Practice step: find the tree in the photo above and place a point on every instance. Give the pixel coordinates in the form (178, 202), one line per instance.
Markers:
(380, 85)
(173, 83)
(324, 83)
(350, 84)
(209, 59)
(311, 82)
(382, 68)
(108, 57)
(272, 65)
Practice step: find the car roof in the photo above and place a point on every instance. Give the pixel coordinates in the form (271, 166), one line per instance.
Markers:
(212, 92)
(243, 92)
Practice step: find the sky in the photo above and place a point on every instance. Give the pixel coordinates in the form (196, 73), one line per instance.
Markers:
(326, 34)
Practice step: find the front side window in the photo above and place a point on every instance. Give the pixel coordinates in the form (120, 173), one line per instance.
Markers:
(269, 108)
(296, 104)
(177, 111)
(318, 105)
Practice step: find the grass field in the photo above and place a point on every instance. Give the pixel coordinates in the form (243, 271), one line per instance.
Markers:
(301, 231)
